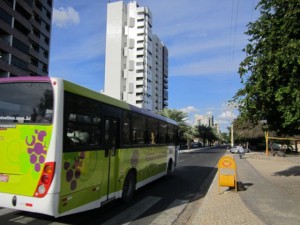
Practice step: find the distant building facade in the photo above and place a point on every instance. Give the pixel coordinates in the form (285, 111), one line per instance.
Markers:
(207, 120)
(136, 61)
(25, 37)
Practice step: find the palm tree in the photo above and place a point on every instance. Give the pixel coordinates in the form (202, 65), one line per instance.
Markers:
(179, 116)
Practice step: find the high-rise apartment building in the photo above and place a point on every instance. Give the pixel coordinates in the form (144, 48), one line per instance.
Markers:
(136, 62)
(25, 37)
(206, 120)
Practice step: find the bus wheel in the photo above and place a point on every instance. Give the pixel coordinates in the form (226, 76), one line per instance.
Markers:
(128, 187)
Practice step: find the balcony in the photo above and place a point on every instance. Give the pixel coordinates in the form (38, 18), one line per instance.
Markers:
(139, 67)
(140, 51)
(139, 97)
(139, 83)
(139, 88)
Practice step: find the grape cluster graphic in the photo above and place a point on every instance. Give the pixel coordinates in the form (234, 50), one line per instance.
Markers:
(134, 158)
(36, 149)
(73, 172)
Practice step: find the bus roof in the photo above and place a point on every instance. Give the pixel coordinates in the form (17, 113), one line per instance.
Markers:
(78, 89)
(75, 88)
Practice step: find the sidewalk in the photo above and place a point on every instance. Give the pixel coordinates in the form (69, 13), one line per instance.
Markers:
(272, 194)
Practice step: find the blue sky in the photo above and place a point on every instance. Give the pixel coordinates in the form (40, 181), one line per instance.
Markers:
(204, 38)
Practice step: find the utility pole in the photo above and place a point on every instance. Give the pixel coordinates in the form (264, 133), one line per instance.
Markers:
(231, 106)
(232, 143)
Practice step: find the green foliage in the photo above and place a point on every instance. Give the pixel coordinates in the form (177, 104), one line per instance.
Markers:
(271, 70)
(245, 130)
(207, 134)
(179, 116)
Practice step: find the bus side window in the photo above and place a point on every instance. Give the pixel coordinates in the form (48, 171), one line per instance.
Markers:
(138, 129)
(152, 131)
(126, 138)
(82, 122)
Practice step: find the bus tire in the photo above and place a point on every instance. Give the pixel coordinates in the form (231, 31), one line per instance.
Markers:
(129, 187)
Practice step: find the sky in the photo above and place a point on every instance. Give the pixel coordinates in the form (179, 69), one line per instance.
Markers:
(204, 39)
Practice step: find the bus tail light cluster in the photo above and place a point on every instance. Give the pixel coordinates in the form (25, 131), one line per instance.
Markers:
(45, 180)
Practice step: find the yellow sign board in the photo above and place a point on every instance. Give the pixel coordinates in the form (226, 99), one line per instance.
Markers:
(227, 172)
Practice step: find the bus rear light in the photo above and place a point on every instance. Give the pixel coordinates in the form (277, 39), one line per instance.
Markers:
(48, 169)
(41, 190)
(45, 180)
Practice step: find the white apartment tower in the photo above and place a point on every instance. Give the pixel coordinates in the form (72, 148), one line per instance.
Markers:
(136, 61)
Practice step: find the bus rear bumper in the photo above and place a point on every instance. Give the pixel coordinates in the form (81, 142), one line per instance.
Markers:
(47, 205)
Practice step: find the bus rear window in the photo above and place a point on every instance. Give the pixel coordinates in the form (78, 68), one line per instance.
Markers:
(26, 103)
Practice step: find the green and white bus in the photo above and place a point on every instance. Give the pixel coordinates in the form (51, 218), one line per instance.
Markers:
(65, 149)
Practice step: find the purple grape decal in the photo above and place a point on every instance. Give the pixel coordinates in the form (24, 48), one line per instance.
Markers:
(134, 158)
(33, 159)
(37, 149)
(69, 175)
(73, 172)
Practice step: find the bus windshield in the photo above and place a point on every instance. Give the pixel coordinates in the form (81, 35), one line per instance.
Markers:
(30, 102)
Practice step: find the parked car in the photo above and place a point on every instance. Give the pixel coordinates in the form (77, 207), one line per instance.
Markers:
(182, 146)
(278, 149)
(234, 149)
(276, 146)
(195, 145)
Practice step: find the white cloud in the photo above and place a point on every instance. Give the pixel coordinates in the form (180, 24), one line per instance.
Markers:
(210, 113)
(63, 17)
(190, 109)
(227, 115)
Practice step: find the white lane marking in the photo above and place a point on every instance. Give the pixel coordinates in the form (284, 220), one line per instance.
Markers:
(22, 219)
(5, 211)
(133, 212)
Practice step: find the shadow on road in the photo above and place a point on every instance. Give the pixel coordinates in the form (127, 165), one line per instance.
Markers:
(292, 171)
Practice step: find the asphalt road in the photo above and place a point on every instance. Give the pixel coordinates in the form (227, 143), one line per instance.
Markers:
(161, 202)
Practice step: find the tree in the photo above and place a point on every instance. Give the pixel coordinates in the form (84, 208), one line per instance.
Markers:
(189, 134)
(208, 134)
(245, 130)
(179, 116)
(225, 137)
(270, 72)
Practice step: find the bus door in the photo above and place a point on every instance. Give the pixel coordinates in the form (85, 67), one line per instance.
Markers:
(111, 143)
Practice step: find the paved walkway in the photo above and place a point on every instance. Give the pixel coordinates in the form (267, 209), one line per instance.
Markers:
(272, 194)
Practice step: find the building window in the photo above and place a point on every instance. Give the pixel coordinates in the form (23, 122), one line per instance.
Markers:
(36, 33)
(34, 61)
(38, 4)
(20, 46)
(21, 28)
(35, 46)
(5, 16)
(29, 2)
(23, 12)
(19, 63)
(45, 68)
